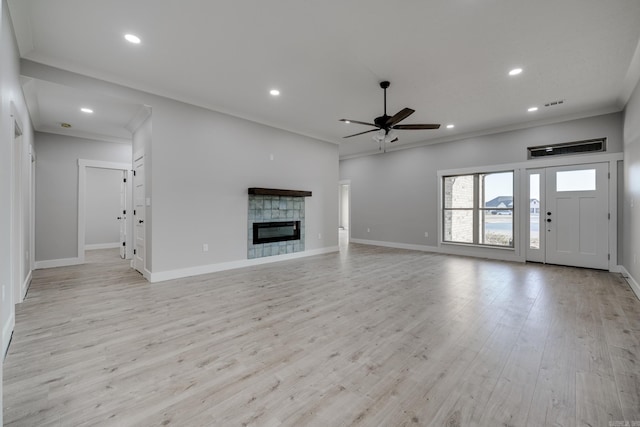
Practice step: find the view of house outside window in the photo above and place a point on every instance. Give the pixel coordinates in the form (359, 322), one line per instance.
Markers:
(478, 209)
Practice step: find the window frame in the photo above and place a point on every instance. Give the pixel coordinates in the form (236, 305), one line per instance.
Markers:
(478, 209)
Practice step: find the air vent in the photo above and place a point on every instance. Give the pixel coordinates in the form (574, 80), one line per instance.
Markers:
(554, 103)
(577, 147)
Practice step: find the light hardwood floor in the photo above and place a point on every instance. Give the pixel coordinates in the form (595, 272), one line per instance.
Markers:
(369, 337)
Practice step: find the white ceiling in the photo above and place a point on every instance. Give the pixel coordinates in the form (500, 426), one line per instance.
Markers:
(447, 59)
(52, 104)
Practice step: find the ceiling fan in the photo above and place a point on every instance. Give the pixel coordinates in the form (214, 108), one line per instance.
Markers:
(386, 124)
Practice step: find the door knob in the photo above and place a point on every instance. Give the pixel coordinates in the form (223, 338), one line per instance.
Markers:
(548, 219)
(140, 221)
(119, 217)
(548, 213)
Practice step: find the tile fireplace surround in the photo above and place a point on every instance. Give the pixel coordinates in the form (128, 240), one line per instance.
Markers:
(269, 208)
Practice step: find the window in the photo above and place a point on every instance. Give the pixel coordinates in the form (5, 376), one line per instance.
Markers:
(478, 209)
(578, 180)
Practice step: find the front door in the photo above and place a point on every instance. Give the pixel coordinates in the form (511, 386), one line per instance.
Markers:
(573, 220)
(577, 215)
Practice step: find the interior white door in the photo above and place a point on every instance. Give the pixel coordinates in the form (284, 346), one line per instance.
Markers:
(122, 218)
(139, 214)
(576, 217)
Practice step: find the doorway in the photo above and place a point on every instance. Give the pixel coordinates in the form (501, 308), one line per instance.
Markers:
(344, 212)
(106, 172)
(569, 214)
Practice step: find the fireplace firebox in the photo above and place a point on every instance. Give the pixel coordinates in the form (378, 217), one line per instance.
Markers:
(269, 232)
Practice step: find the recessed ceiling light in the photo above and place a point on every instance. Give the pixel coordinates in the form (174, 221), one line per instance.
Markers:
(515, 71)
(450, 126)
(347, 121)
(131, 38)
(532, 109)
(86, 110)
(274, 92)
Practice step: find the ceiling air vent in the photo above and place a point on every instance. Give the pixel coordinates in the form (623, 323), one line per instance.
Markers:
(577, 147)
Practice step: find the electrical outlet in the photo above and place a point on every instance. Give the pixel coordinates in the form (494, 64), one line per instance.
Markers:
(426, 234)
(205, 247)
(319, 236)
(368, 230)
(271, 156)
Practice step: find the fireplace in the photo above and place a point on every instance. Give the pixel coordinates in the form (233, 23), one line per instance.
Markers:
(275, 222)
(281, 231)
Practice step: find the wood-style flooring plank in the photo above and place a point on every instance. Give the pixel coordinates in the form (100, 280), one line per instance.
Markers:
(369, 336)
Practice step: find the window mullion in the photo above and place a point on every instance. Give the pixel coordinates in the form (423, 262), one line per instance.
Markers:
(476, 211)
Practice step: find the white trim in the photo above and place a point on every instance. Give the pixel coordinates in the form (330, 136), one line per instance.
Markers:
(231, 265)
(25, 285)
(506, 254)
(64, 262)
(95, 246)
(83, 164)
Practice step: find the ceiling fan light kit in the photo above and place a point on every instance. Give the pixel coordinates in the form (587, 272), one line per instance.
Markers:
(386, 124)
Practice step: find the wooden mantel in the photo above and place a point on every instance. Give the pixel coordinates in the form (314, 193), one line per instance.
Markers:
(275, 192)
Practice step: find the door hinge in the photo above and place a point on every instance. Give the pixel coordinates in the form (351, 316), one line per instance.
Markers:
(608, 175)
(134, 212)
(134, 251)
(124, 243)
(609, 216)
(124, 179)
(609, 257)
(134, 173)
(124, 212)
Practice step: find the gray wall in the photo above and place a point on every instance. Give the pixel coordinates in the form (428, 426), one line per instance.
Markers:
(10, 93)
(102, 206)
(56, 204)
(199, 166)
(395, 194)
(631, 210)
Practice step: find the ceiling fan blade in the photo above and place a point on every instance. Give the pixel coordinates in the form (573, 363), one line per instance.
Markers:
(366, 131)
(400, 116)
(358, 122)
(416, 127)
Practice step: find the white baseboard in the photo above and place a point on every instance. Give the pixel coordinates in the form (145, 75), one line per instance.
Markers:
(51, 263)
(25, 286)
(488, 253)
(95, 246)
(633, 283)
(7, 330)
(231, 265)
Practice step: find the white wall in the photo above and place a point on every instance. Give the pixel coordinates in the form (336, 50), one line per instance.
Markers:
(102, 206)
(631, 210)
(10, 94)
(200, 164)
(56, 204)
(395, 194)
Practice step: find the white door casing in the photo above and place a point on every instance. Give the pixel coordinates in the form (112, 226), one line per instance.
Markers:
(122, 217)
(139, 228)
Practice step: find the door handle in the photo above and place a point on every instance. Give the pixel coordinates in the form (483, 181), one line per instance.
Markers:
(548, 219)
(140, 221)
(119, 217)
(548, 213)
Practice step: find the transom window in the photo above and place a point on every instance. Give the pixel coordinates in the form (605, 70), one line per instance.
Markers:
(478, 209)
